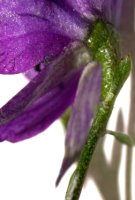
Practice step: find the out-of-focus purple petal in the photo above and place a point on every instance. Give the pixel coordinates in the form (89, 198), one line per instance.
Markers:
(113, 9)
(109, 9)
(127, 23)
(84, 107)
(86, 8)
(50, 77)
(28, 36)
(65, 21)
(41, 113)
(62, 21)
(86, 102)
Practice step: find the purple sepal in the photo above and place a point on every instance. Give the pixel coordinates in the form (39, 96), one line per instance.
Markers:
(65, 165)
(33, 118)
(84, 107)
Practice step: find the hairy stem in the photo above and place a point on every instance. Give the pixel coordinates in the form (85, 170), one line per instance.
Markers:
(103, 43)
(77, 180)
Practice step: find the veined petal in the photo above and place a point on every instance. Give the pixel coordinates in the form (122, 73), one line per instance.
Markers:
(90, 9)
(66, 21)
(84, 107)
(85, 7)
(38, 116)
(26, 36)
(22, 53)
(112, 10)
(61, 18)
(45, 88)
(116, 7)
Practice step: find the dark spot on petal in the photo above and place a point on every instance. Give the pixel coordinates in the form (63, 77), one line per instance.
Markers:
(37, 68)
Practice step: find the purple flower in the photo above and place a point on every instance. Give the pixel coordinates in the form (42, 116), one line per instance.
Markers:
(46, 40)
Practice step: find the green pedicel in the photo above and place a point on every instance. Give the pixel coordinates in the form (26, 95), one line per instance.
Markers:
(103, 44)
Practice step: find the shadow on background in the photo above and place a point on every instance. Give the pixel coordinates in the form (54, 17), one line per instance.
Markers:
(104, 174)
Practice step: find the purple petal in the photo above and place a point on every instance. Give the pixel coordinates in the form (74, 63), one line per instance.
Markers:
(27, 37)
(85, 7)
(109, 9)
(41, 113)
(84, 107)
(37, 91)
(18, 54)
(112, 10)
(66, 21)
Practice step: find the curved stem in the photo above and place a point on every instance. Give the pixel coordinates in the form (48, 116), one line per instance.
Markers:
(104, 46)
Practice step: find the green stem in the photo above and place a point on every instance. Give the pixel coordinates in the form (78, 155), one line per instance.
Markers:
(77, 180)
(103, 43)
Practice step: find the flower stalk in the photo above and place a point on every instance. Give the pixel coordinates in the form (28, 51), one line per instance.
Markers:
(104, 45)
